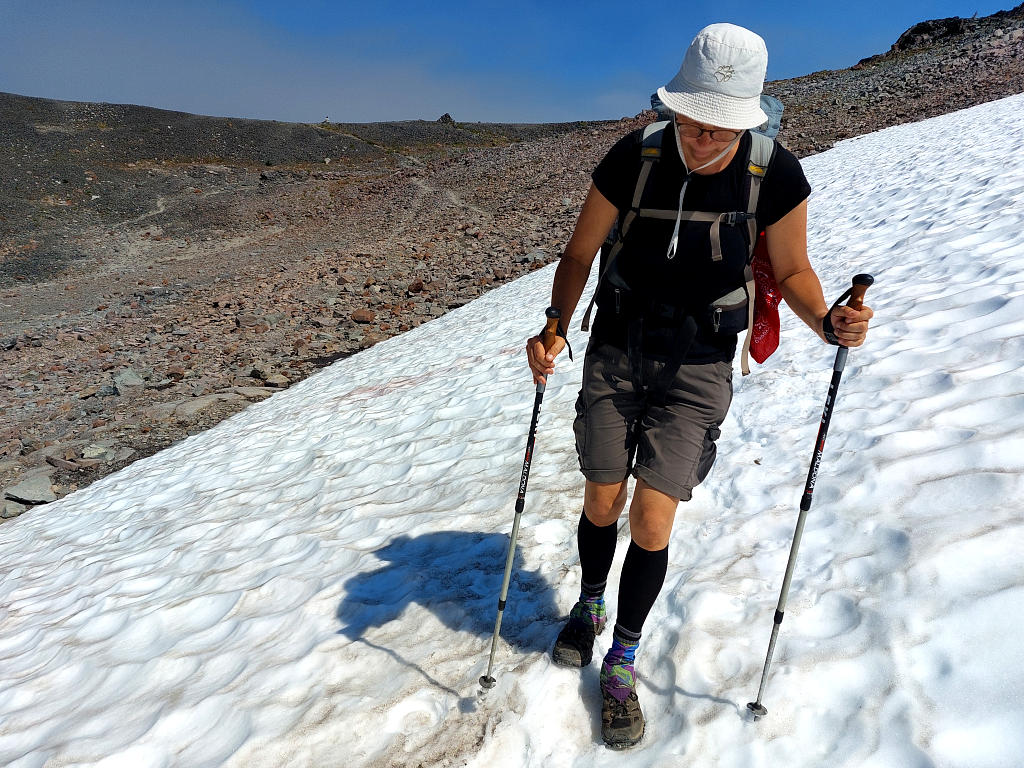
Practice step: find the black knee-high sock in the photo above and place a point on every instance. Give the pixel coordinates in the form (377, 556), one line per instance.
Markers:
(597, 548)
(643, 574)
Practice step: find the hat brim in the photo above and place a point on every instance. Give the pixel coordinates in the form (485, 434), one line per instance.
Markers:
(715, 108)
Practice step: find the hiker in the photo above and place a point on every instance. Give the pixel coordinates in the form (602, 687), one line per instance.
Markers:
(657, 377)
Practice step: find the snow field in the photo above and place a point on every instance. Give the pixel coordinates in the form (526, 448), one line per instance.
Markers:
(314, 581)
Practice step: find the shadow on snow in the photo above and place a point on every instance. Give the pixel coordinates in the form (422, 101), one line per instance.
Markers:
(457, 576)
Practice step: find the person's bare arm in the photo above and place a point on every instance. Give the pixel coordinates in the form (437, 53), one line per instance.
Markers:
(800, 287)
(595, 220)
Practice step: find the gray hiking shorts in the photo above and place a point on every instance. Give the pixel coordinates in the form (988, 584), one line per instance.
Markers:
(670, 445)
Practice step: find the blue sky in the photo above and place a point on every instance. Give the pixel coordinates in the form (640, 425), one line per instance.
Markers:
(364, 61)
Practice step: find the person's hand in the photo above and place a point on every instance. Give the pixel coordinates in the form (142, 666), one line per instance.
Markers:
(851, 325)
(542, 361)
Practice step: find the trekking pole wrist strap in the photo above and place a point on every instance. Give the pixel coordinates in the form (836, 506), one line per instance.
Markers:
(827, 329)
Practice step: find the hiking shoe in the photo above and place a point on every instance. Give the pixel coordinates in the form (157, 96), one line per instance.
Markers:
(622, 721)
(575, 644)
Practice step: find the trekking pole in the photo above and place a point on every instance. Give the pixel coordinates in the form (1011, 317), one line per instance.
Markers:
(856, 294)
(548, 339)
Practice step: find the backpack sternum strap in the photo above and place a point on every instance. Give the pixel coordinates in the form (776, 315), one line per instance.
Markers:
(731, 219)
(716, 220)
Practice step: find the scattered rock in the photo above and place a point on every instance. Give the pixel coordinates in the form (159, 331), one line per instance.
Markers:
(128, 383)
(262, 371)
(254, 393)
(191, 408)
(533, 257)
(11, 509)
(123, 454)
(33, 489)
(363, 316)
(88, 392)
(102, 453)
(60, 463)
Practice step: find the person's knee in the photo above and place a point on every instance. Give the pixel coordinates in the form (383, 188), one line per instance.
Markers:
(650, 534)
(650, 517)
(603, 502)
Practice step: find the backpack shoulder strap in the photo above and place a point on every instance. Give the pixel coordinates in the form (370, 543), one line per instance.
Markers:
(651, 145)
(650, 153)
(762, 148)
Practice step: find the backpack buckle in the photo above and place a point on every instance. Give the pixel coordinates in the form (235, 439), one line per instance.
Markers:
(735, 217)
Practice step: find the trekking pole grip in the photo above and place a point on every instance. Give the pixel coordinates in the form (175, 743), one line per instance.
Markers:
(861, 283)
(551, 327)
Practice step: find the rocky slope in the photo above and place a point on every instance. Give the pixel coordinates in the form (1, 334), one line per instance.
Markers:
(159, 271)
(935, 67)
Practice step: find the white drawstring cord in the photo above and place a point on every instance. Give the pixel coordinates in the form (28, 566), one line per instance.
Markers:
(671, 253)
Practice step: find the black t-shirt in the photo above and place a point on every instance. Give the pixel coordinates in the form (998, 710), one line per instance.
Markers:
(691, 280)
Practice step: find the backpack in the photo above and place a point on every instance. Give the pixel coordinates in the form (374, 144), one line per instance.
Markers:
(753, 305)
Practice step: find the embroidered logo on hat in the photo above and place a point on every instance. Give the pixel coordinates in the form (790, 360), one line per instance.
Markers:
(724, 73)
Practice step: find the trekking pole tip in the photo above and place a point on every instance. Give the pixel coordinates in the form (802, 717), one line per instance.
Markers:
(487, 682)
(758, 710)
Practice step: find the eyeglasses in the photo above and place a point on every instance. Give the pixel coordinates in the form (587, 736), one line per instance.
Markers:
(692, 131)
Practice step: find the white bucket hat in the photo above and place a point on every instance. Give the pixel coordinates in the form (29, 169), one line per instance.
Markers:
(721, 78)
